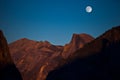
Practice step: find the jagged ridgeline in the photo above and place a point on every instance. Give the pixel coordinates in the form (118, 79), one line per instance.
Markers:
(35, 59)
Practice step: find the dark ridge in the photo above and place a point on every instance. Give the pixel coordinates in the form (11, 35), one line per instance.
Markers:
(8, 70)
(99, 43)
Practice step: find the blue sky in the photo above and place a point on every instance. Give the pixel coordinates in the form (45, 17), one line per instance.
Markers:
(56, 20)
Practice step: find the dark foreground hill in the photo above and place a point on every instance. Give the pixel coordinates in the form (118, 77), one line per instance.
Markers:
(97, 60)
(8, 70)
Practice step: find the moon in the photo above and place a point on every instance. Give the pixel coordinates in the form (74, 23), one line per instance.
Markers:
(89, 9)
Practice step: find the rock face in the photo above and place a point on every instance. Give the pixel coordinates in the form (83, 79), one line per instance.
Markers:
(8, 70)
(32, 57)
(97, 60)
(77, 42)
(36, 59)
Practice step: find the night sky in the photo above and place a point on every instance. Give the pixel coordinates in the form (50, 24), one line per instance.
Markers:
(56, 20)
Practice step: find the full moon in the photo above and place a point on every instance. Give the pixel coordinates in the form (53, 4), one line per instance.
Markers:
(89, 9)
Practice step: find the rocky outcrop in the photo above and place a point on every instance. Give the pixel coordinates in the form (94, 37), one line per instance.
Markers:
(8, 70)
(77, 42)
(97, 60)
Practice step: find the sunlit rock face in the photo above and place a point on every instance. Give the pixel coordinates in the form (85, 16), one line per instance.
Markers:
(8, 70)
(35, 59)
(77, 42)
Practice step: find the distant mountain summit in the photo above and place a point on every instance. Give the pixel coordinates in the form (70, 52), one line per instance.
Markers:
(8, 70)
(77, 42)
(97, 60)
(38, 58)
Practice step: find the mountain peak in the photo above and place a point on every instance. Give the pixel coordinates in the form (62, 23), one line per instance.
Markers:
(77, 42)
(24, 39)
(81, 37)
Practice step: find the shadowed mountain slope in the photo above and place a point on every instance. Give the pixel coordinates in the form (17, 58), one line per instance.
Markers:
(97, 60)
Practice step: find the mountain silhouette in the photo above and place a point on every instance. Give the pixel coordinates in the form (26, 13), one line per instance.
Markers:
(97, 60)
(8, 70)
(35, 59)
